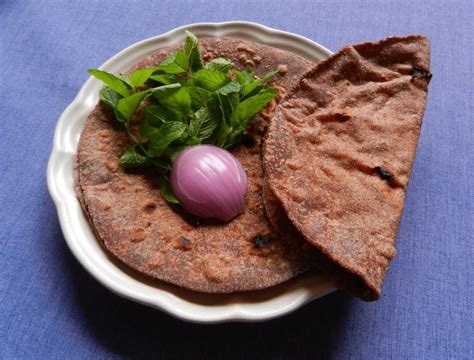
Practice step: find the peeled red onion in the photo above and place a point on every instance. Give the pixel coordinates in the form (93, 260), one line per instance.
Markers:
(209, 182)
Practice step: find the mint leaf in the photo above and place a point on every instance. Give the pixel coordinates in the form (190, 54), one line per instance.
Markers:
(111, 80)
(244, 77)
(139, 77)
(183, 138)
(227, 103)
(161, 90)
(176, 99)
(247, 109)
(132, 158)
(221, 112)
(125, 79)
(192, 51)
(192, 141)
(210, 79)
(127, 106)
(109, 97)
(223, 106)
(202, 124)
(255, 86)
(172, 152)
(154, 116)
(199, 96)
(181, 60)
(169, 60)
(191, 42)
(219, 64)
(176, 63)
(270, 74)
(231, 87)
(168, 133)
(166, 78)
(165, 91)
(166, 191)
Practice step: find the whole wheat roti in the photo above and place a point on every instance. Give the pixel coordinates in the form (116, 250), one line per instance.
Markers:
(340, 149)
(153, 237)
(285, 228)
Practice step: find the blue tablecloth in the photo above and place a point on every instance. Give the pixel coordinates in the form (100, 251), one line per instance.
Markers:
(51, 308)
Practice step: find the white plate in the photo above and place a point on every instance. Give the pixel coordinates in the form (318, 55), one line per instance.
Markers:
(184, 304)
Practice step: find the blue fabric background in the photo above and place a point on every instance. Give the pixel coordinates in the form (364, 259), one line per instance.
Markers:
(51, 308)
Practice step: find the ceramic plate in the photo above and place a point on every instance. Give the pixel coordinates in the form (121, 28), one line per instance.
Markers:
(182, 303)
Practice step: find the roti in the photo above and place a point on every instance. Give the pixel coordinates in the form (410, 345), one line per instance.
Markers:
(137, 226)
(339, 152)
(285, 228)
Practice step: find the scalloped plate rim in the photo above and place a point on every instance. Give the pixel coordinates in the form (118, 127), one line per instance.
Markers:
(73, 221)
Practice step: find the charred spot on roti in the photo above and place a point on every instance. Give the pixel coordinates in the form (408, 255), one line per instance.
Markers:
(383, 173)
(420, 73)
(261, 241)
(149, 207)
(343, 117)
(184, 244)
(248, 140)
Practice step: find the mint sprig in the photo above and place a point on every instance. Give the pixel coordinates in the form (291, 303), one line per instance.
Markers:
(189, 102)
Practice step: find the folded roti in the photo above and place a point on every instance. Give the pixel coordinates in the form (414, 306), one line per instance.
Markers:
(339, 151)
(155, 238)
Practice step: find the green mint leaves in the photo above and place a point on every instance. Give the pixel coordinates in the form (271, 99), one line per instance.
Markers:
(109, 97)
(139, 77)
(114, 82)
(192, 52)
(219, 64)
(176, 63)
(133, 158)
(163, 137)
(183, 101)
(202, 124)
(126, 107)
(166, 191)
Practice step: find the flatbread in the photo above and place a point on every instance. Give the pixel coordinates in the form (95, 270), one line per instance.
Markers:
(138, 227)
(284, 227)
(340, 149)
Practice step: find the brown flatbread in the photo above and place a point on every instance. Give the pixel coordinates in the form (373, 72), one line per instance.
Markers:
(340, 149)
(142, 230)
(284, 227)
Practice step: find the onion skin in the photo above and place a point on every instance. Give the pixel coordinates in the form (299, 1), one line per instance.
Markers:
(209, 182)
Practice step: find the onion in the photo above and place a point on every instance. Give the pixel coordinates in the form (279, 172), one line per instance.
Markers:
(209, 182)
